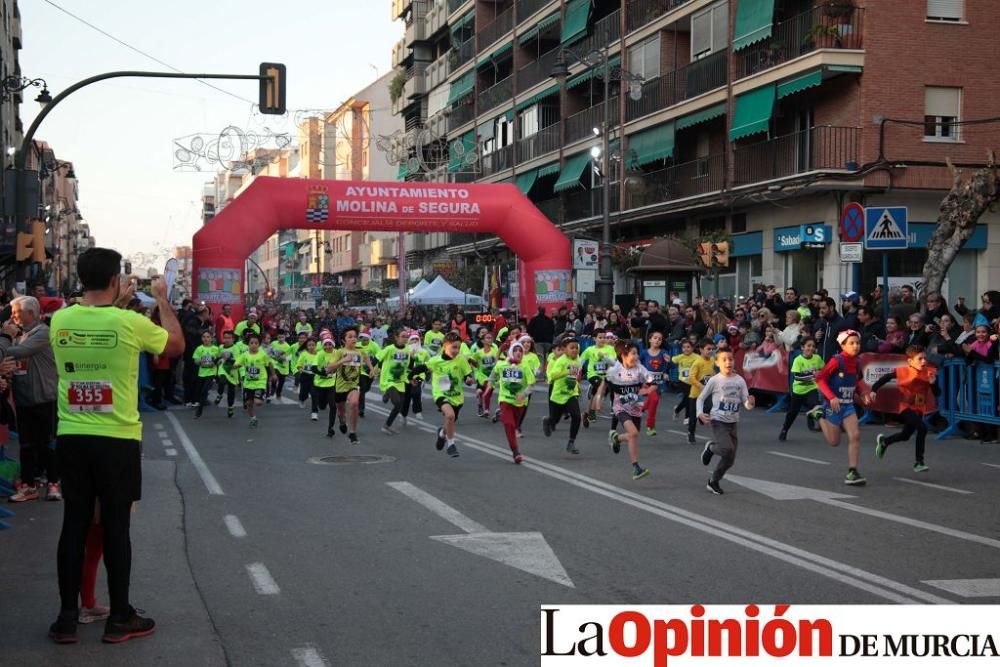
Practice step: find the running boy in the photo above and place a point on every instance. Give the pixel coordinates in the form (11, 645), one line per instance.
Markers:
(393, 376)
(372, 349)
(837, 382)
(804, 390)
(305, 364)
(563, 375)
(484, 359)
(701, 370)
(281, 352)
(727, 392)
(206, 356)
(916, 381)
(228, 377)
(598, 358)
(258, 369)
(684, 361)
(448, 371)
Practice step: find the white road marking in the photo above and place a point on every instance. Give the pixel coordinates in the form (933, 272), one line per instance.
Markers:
(992, 465)
(167, 443)
(443, 510)
(308, 656)
(206, 475)
(870, 582)
(685, 434)
(170, 452)
(262, 580)
(799, 458)
(234, 525)
(158, 427)
(163, 434)
(933, 486)
(969, 588)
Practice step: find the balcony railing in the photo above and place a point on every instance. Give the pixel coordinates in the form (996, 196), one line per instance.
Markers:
(605, 32)
(581, 125)
(546, 140)
(643, 12)
(550, 209)
(687, 179)
(454, 5)
(500, 26)
(798, 35)
(497, 94)
(673, 87)
(525, 8)
(463, 53)
(460, 115)
(497, 161)
(815, 149)
(538, 71)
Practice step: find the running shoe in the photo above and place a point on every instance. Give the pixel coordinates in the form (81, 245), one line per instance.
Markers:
(517, 457)
(53, 492)
(691, 438)
(218, 399)
(706, 454)
(854, 478)
(613, 441)
(586, 420)
(63, 631)
(815, 414)
(496, 415)
(314, 416)
(116, 632)
(686, 420)
(920, 466)
(485, 414)
(714, 487)
(329, 432)
(520, 434)
(388, 431)
(783, 436)
(439, 443)
(546, 427)
(650, 432)
(302, 404)
(93, 614)
(343, 427)
(253, 422)
(880, 445)
(452, 450)
(676, 416)
(385, 398)
(419, 416)
(571, 447)
(638, 472)
(229, 412)
(353, 437)
(480, 412)
(197, 413)
(361, 413)
(268, 400)
(24, 493)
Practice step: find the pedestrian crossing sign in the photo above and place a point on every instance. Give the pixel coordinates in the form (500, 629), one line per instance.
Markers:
(886, 228)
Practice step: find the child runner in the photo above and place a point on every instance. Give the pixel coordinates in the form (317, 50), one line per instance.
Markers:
(514, 379)
(531, 361)
(702, 369)
(837, 381)
(727, 391)
(804, 390)
(393, 376)
(281, 352)
(655, 360)
(228, 377)
(563, 375)
(258, 368)
(684, 361)
(372, 349)
(305, 364)
(206, 356)
(413, 398)
(298, 348)
(434, 334)
(915, 381)
(323, 383)
(448, 371)
(348, 363)
(484, 359)
(598, 358)
(627, 381)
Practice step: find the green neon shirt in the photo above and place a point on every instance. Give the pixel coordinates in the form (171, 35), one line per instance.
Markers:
(533, 362)
(513, 380)
(564, 376)
(207, 358)
(282, 355)
(301, 327)
(348, 374)
(434, 336)
(306, 362)
(255, 365)
(447, 376)
(803, 365)
(395, 371)
(227, 361)
(243, 326)
(372, 349)
(599, 360)
(487, 359)
(324, 379)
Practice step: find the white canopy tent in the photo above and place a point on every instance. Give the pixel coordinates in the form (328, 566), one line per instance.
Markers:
(437, 293)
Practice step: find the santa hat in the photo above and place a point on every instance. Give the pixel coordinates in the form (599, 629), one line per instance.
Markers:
(327, 340)
(364, 333)
(515, 346)
(414, 336)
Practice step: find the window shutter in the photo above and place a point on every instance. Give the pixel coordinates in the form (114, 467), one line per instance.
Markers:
(942, 101)
(701, 33)
(949, 10)
(720, 26)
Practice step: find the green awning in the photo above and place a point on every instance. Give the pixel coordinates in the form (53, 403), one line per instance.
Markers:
(526, 181)
(572, 171)
(462, 87)
(753, 112)
(496, 55)
(577, 18)
(590, 73)
(403, 172)
(534, 31)
(548, 170)
(753, 22)
(656, 143)
(799, 83)
(460, 23)
(701, 116)
(535, 99)
(458, 149)
(845, 68)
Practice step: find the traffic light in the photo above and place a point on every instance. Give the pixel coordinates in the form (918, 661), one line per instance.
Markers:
(705, 254)
(720, 253)
(32, 245)
(269, 294)
(272, 89)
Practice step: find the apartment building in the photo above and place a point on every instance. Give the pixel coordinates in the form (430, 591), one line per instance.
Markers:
(752, 118)
(10, 103)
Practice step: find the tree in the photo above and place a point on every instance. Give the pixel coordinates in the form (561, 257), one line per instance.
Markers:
(960, 210)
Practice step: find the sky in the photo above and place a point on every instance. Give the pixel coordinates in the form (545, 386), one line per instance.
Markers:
(120, 134)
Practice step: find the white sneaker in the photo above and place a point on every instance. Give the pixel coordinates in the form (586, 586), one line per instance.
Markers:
(314, 416)
(302, 404)
(404, 420)
(419, 416)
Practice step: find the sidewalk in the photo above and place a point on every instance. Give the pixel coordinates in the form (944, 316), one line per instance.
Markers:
(161, 584)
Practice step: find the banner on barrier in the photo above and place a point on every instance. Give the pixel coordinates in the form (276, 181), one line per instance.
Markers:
(766, 373)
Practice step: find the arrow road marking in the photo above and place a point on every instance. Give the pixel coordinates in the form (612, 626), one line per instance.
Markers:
(992, 465)
(799, 458)
(528, 552)
(779, 491)
(969, 588)
(933, 486)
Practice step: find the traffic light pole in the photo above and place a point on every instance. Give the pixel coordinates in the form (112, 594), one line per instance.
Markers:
(21, 159)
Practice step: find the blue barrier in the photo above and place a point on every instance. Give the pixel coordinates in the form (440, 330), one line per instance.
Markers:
(968, 394)
(145, 383)
(6, 489)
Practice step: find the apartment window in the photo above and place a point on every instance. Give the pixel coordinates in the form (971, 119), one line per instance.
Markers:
(644, 58)
(942, 107)
(710, 30)
(945, 10)
(529, 121)
(701, 153)
(437, 100)
(503, 132)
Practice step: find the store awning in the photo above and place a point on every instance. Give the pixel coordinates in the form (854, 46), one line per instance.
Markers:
(462, 87)
(458, 149)
(535, 30)
(548, 170)
(526, 181)
(753, 22)
(656, 143)
(571, 172)
(577, 18)
(496, 55)
(800, 83)
(591, 72)
(535, 99)
(753, 112)
(701, 116)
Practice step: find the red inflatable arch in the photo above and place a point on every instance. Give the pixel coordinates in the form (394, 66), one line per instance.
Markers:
(269, 204)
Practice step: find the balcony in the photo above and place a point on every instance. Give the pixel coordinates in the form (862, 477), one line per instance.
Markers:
(544, 141)
(497, 161)
(460, 115)
(496, 95)
(688, 179)
(400, 7)
(438, 71)
(501, 25)
(463, 53)
(581, 125)
(799, 35)
(455, 5)
(538, 71)
(643, 12)
(416, 82)
(605, 32)
(399, 53)
(436, 17)
(673, 87)
(525, 8)
(416, 31)
(815, 149)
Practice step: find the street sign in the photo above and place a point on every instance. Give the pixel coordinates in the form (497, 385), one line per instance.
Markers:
(586, 281)
(813, 236)
(852, 223)
(886, 228)
(852, 253)
(316, 292)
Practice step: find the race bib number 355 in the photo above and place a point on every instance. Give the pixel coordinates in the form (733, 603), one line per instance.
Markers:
(94, 396)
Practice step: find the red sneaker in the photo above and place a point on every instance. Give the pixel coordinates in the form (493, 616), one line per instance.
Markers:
(24, 493)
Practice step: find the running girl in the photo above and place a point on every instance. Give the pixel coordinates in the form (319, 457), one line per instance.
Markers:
(514, 379)
(227, 376)
(305, 364)
(393, 376)
(206, 356)
(347, 365)
(627, 382)
(484, 359)
(258, 368)
(655, 360)
(804, 390)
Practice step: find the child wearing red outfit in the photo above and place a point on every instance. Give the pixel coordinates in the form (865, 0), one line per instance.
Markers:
(915, 381)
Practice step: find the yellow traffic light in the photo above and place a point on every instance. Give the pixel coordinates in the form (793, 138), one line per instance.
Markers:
(720, 253)
(705, 254)
(271, 98)
(32, 245)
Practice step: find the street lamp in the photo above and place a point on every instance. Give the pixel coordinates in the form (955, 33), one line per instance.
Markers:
(15, 84)
(605, 280)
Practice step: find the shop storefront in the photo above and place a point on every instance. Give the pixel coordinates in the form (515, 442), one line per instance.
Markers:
(802, 267)
(667, 266)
